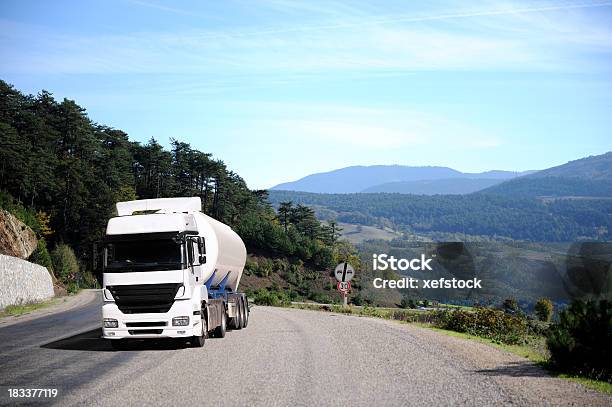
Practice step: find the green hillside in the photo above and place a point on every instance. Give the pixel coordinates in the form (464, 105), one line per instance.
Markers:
(473, 217)
(590, 176)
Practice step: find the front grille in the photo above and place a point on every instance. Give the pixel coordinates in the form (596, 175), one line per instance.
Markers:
(145, 331)
(144, 298)
(144, 324)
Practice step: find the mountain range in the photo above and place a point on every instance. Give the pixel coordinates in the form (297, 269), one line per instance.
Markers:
(428, 180)
(589, 176)
(566, 203)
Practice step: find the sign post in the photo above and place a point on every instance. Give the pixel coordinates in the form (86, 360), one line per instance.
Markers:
(344, 273)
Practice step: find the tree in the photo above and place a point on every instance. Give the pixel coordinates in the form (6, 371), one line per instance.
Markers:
(284, 213)
(331, 232)
(580, 342)
(544, 309)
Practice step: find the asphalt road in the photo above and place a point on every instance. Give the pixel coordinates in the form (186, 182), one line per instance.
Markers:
(285, 357)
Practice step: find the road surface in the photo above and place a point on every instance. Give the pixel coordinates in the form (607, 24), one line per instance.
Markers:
(285, 357)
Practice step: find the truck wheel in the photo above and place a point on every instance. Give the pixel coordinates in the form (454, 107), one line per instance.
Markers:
(198, 341)
(241, 320)
(245, 313)
(237, 320)
(221, 329)
(118, 344)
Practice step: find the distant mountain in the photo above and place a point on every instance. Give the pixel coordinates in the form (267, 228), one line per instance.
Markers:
(590, 176)
(385, 178)
(594, 167)
(579, 208)
(451, 186)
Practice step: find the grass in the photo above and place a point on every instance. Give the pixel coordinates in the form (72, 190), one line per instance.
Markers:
(597, 385)
(16, 310)
(534, 350)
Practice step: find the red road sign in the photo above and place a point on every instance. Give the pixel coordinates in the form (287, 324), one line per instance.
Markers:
(344, 286)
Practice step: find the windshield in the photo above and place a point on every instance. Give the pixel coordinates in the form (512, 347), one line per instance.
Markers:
(143, 255)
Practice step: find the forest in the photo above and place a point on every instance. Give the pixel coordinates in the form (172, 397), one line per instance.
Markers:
(485, 215)
(62, 173)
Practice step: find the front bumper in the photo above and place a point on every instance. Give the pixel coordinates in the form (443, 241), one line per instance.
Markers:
(152, 325)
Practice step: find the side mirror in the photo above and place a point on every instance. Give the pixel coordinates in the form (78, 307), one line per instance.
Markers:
(202, 250)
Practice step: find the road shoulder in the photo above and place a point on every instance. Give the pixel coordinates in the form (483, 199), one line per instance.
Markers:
(64, 304)
(524, 379)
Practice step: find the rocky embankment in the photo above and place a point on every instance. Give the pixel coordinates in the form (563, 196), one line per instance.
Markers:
(21, 282)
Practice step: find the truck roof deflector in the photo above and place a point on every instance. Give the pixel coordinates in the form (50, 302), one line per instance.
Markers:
(164, 205)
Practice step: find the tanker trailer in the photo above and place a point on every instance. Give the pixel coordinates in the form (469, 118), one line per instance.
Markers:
(170, 271)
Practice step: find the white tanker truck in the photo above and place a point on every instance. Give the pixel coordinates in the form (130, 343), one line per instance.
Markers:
(171, 271)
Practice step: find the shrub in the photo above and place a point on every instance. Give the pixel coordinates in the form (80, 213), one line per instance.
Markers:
(372, 312)
(544, 309)
(319, 297)
(485, 322)
(66, 266)
(88, 280)
(250, 267)
(265, 297)
(280, 265)
(510, 305)
(581, 342)
(265, 268)
(357, 300)
(426, 303)
(41, 255)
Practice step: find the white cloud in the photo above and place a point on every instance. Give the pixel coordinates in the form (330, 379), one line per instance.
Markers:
(499, 36)
(331, 132)
(364, 128)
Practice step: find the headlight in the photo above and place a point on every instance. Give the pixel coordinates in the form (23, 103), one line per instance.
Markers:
(180, 321)
(110, 323)
(107, 295)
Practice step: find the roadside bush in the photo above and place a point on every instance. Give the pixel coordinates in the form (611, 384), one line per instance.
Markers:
(544, 309)
(372, 312)
(341, 310)
(485, 322)
(357, 300)
(250, 267)
(41, 255)
(274, 299)
(415, 316)
(581, 342)
(88, 280)
(320, 297)
(510, 305)
(264, 268)
(66, 266)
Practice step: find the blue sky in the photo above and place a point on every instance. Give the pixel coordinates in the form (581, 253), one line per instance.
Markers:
(280, 89)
